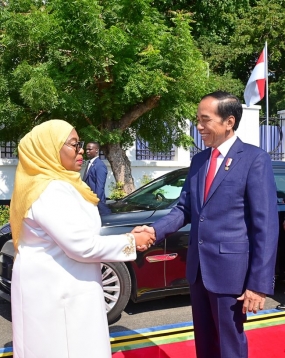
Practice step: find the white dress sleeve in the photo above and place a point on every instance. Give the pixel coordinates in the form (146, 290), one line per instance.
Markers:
(73, 224)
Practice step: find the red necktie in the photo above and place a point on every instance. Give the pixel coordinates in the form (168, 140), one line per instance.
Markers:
(211, 172)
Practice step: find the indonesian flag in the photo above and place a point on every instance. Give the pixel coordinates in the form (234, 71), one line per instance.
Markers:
(255, 88)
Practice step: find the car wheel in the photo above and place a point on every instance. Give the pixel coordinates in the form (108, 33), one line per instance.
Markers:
(117, 287)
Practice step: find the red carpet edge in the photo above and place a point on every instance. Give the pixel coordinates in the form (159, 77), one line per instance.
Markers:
(179, 333)
(155, 336)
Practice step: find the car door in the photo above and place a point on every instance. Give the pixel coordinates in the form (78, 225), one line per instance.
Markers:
(176, 253)
(147, 273)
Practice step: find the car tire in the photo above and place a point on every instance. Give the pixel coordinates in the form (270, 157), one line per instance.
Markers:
(117, 286)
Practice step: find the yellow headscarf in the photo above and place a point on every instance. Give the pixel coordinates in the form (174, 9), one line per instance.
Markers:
(39, 164)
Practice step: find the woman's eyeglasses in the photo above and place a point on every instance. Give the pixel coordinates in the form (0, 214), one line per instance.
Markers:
(77, 146)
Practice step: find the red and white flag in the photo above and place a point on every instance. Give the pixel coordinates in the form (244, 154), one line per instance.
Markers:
(255, 88)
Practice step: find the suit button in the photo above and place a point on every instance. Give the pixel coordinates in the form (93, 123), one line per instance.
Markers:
(202, 218)
(200, 242)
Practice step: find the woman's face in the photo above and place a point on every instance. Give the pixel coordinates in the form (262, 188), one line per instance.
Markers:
(71, 155)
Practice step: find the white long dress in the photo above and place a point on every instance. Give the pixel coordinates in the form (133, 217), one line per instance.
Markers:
(58, 308)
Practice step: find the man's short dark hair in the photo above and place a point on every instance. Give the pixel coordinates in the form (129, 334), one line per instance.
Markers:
(229, 105)
(96, 143)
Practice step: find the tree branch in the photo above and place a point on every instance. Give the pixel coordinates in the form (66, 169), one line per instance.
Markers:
(137, 111)
(88, 120)
(41, 112)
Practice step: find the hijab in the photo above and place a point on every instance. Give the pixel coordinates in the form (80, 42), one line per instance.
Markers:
(39, 164)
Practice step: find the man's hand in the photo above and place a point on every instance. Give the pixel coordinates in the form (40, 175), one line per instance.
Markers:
(146, 230)
(252, 301)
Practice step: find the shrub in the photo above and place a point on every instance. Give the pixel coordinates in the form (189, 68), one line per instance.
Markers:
(146, 179)
(4, 214)
(117, 190)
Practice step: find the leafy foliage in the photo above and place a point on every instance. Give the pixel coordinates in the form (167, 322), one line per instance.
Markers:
(231, 34)
(4, 214)
(264, 22)
(146, 178)
(232, 43)
(113, 69)
(117, 191)
(119, 69)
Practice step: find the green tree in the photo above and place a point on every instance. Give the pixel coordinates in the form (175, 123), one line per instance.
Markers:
(264, 22)
(114, 69)
(232, 35)
(213, 24)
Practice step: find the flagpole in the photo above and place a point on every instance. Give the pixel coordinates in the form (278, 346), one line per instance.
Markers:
(267, 101)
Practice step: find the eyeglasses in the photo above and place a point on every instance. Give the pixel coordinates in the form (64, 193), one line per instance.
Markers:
(77, 146)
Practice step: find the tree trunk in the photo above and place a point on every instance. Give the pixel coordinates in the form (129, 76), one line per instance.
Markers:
(120, 165)
(116, 155)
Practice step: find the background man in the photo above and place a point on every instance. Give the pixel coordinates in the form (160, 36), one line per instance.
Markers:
(95, 175)
(234, 229)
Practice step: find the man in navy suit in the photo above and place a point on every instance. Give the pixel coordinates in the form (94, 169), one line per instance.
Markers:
(234, 230)
(95, 175)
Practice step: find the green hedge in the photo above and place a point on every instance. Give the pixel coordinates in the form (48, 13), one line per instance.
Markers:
(4, 214)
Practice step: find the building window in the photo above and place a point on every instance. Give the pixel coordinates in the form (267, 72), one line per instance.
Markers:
(8, 150)
(144, 153)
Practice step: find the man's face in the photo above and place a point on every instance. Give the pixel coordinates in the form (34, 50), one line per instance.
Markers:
(213, 130)
(92, 150)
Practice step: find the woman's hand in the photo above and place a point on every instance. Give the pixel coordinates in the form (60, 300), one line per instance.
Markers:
(144, 239)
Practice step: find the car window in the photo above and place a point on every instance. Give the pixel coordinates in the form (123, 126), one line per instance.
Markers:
(161, 193)
(280, 186)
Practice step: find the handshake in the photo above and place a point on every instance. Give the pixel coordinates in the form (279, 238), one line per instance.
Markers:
(144, 236)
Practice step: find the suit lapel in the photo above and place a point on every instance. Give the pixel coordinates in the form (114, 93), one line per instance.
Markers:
(89, 170)
(235, 154)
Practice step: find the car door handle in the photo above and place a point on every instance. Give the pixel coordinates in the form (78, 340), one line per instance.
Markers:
(159, 258)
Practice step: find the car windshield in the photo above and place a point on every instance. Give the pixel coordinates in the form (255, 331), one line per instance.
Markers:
(161, 193)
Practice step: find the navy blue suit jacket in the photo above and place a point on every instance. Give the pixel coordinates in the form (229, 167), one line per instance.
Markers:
(96, 178)
(234, 232)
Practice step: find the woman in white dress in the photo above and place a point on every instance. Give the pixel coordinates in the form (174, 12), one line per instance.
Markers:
(58, 308)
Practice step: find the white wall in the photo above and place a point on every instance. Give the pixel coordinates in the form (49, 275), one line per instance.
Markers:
(248, 132)
(7, 176)
(281, 114)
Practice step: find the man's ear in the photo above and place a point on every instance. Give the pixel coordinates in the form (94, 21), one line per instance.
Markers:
(230, 122)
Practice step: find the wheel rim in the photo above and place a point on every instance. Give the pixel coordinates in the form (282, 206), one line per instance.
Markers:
(111, 287)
